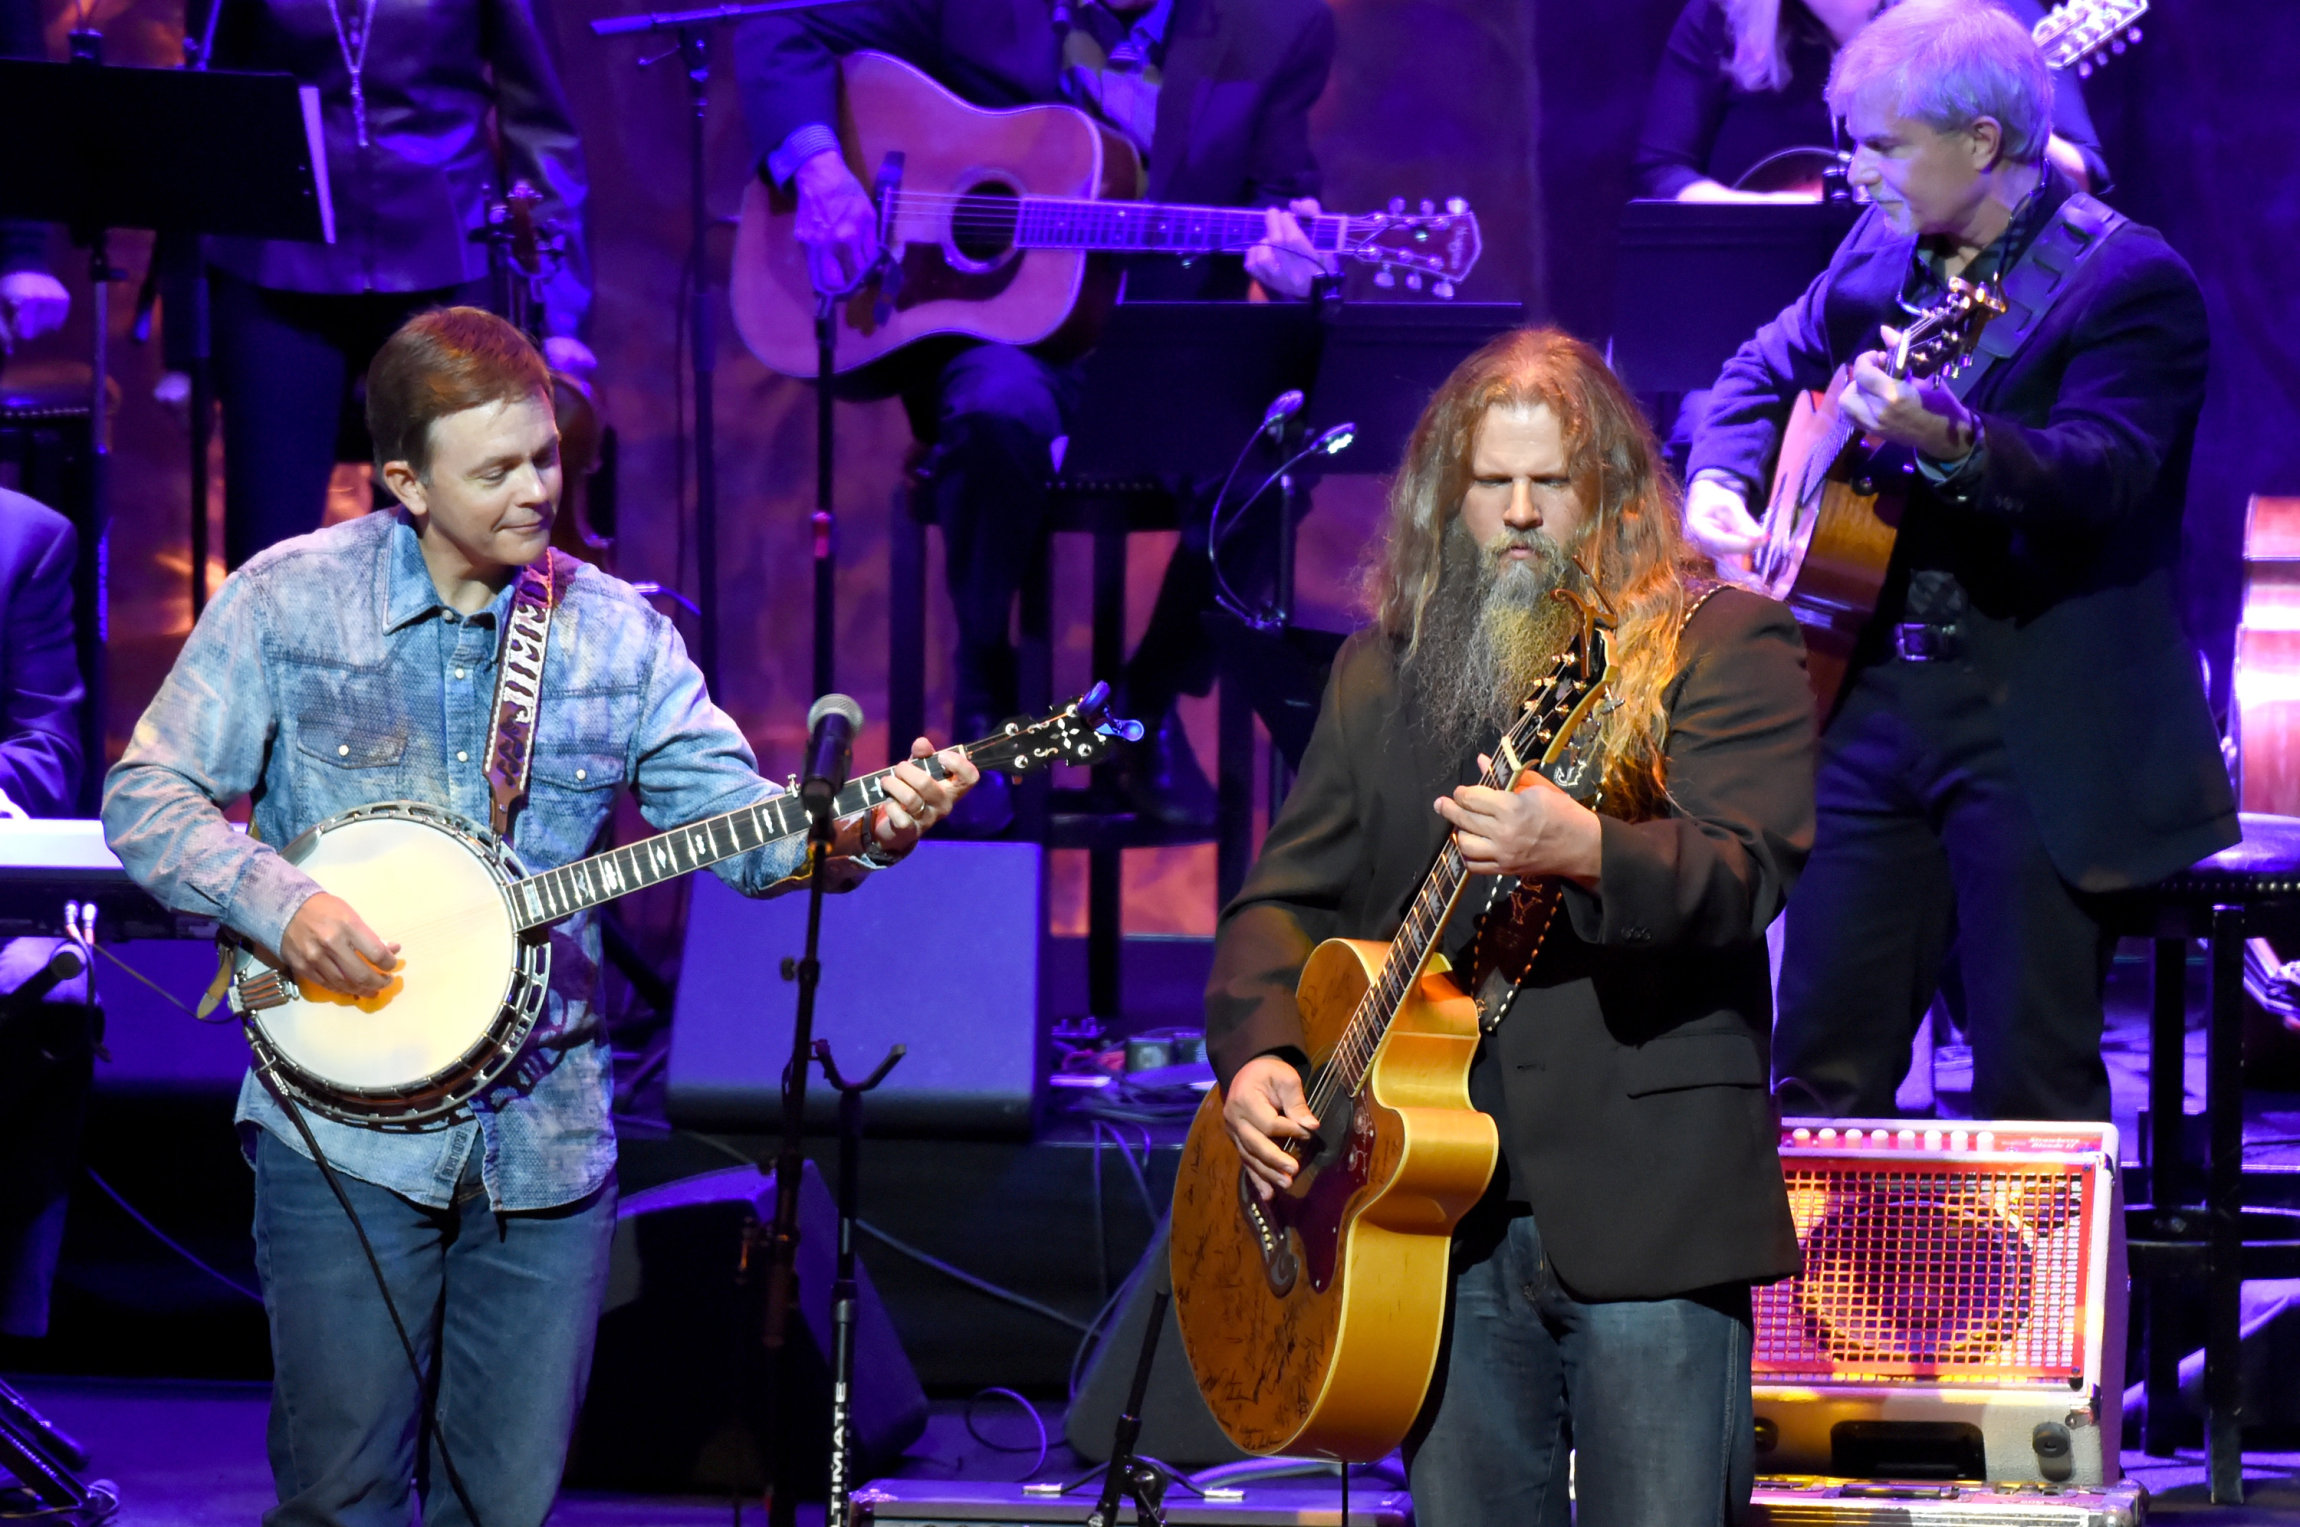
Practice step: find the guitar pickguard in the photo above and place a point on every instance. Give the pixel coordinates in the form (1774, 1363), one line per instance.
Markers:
(1300, 1230)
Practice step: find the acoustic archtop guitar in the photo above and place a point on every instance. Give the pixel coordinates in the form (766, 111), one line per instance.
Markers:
(1834, 512)
(1312, 1321)
(989, 218)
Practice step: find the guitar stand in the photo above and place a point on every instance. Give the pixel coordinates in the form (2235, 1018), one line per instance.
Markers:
(844, 1297)
(1144, 1480)
(43, 1460)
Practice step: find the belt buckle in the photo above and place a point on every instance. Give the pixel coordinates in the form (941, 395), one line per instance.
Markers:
(1916, 641)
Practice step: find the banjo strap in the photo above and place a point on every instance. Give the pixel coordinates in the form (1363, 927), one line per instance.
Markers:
(519, 690)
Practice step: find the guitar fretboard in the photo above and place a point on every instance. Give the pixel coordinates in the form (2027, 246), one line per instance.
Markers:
(571, 888)
(1056, 222)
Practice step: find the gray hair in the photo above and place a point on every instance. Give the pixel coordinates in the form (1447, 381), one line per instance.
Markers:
(1948, 63)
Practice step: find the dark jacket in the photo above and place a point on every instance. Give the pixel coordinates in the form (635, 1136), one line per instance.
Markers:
(1629, 1078)
(1233, 113)
(39, 679)
(441, 79)
(2065, 542)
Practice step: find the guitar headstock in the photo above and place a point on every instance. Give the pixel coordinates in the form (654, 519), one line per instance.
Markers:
(2075, 35)
(1939, 340)
(1079, 733)
(1432, 248)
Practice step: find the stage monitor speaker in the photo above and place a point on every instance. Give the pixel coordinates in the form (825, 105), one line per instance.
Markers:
(1177, 1427)
(940, 954)
(1961, 1311)
(678, 1385)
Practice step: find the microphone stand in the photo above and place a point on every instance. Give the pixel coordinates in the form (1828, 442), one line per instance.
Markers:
(845, 1294)
(783, 1235)
(693, 50)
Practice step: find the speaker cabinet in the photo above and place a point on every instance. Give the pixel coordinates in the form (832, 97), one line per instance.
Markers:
(1961, 1311)
(939, 954)
(679, 1397)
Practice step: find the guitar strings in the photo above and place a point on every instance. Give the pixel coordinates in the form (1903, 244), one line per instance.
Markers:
(1351, 1061)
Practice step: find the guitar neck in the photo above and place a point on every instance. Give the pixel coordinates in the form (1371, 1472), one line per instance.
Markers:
(571, 888)
(1054, 222)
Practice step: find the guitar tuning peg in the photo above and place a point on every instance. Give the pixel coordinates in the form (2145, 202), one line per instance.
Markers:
(2133, 35)
(2084, 70)
(1429, 208)
(1385, 278)
(1397, 205)
(1456, 205)
(1442, 290)
(2116, 46)
(1413, 280)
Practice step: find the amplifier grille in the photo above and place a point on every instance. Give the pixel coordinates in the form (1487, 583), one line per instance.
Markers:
(1971, 1272)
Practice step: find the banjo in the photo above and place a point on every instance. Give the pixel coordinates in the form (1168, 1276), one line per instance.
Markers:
(473, 930)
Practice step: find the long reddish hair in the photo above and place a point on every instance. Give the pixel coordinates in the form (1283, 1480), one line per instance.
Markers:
(1632, 546)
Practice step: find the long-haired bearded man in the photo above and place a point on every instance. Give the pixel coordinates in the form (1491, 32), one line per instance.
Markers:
(1601, 1288)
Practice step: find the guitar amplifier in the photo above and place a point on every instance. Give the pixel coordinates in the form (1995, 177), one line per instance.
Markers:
(1807, 1502)
(1961, 1311)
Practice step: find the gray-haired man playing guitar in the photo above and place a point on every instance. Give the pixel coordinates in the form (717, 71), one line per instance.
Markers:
(356, 666)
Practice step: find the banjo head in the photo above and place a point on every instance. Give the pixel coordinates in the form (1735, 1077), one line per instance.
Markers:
(464, 993)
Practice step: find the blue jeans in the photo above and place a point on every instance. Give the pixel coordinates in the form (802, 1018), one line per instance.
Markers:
(1650, 1397)
(502, 1309)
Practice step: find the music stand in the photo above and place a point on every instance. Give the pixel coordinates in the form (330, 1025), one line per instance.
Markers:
(1695, 279)
(171, 150)
(1173, 389)
(1381, 363)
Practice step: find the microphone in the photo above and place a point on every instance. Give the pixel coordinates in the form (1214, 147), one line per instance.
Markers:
(832, 723)
(1332, 443)
(1283, 407)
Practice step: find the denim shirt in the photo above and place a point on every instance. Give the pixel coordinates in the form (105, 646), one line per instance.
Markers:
(328, 674)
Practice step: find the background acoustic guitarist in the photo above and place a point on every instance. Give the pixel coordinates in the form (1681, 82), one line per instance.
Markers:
(989, 219)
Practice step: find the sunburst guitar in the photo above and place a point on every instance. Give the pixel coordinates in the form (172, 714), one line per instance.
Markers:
(473, 929)
(1312, 1321)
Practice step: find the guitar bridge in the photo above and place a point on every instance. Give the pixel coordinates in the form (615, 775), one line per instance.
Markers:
(273, 988)
(1279, 1264)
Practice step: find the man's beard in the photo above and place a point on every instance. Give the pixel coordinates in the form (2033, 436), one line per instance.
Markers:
(1488, 632)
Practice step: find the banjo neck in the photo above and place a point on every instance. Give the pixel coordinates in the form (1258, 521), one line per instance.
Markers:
(1078, 733)
(554, 894)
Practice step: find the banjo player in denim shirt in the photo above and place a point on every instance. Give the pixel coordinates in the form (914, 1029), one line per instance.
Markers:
(355, 666)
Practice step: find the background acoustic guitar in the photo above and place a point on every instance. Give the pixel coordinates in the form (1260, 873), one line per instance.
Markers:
(1312, 1321)
(2074, 36)
(989, 217)
(1835, 509)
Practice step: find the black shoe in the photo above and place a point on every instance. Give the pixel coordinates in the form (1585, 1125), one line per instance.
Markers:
(1163, 783)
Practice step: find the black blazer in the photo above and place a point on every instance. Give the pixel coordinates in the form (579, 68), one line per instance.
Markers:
(1629, 1079)
(2066, 543)
(1233, 113)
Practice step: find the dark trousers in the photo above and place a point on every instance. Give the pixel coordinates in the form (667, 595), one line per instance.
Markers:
(1925, 839)
(290, 369)
(991, 413)
(1649, 1396)
(501, 1307)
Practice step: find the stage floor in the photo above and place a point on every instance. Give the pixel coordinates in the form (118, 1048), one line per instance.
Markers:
(192, 1455)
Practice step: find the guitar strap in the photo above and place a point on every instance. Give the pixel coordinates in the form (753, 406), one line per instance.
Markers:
(519, 690)
(1518, 913)
(2038, 279)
